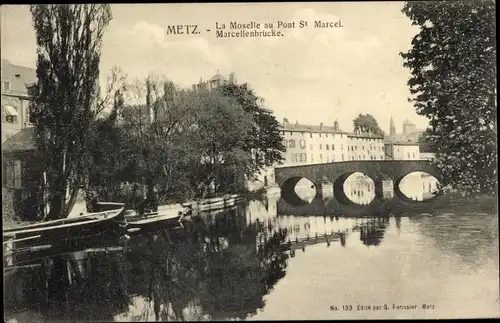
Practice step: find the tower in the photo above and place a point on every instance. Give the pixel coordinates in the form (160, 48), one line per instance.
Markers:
(392, 128)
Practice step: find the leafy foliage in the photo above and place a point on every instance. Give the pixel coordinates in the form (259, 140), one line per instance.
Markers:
(65, 98)
(452, 62)
(265, 142)
(367, 123)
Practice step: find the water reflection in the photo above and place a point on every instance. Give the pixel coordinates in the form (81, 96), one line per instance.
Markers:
(250, 262)
(372, 232)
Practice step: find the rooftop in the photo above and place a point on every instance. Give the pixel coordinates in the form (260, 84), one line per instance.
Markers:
(21, 141)
(19, 77)
(364, 135)
(217, 77)
(402, 142)
(310, 128)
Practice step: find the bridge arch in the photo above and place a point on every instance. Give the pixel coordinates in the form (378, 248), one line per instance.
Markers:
(288, 192)
(339, 189)
(398, 192)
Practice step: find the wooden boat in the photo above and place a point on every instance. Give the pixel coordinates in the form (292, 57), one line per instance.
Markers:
(66, 229)
(163, 218)
(215, 203)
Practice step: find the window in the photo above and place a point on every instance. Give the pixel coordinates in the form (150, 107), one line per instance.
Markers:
(310, 135)
(320, 146)
(327, 147)
(10, 113)
(362, 147)
(291, 143)
(11, 119)
(320, 134)
(13, 174)
(326, 135)
(408, 154)
(333, 147)
(6, 85)
(342, 157)
(302, 143)
(312, 158)
(321, 157)
(413, 155)
(341, 147)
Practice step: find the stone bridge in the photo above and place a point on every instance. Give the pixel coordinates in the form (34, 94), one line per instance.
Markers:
(337, 172)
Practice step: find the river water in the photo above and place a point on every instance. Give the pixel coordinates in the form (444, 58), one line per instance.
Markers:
(254, 263)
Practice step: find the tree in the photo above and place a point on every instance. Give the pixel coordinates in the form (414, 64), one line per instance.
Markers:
(367, 123)
(156, 117)
(452, 62)
(217, 145)
(265, 142)
(66, 96)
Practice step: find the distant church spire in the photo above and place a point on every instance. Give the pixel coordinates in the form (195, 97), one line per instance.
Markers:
(392, 128)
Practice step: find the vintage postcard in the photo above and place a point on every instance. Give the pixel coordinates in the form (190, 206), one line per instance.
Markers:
(249, 161)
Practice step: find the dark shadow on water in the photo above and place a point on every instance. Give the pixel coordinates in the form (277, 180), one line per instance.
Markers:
(212, 263)
(372, 232)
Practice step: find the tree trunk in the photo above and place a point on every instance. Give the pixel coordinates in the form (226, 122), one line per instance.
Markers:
(56, 204)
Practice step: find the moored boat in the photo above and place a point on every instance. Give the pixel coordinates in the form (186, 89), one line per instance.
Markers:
(215, 203)
(66, 229)
(163, 218)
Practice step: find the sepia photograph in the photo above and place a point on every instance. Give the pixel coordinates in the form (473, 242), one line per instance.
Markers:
(249, 161)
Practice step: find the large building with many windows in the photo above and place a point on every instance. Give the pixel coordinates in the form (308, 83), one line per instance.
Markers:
(313, 144)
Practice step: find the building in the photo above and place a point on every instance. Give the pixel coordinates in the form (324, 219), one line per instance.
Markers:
(216, 81)
(15, 98)
(21, 175)
(410, 132)
(402, 150)
(311, 144)
(365, 146)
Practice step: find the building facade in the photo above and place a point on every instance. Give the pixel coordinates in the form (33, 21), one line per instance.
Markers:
(311, 144)
(15, 98)
(400, 150)
(365, 146)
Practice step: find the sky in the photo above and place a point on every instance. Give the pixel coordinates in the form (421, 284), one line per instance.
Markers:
(310, 75)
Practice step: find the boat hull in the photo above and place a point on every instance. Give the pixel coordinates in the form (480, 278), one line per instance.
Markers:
(58, 231)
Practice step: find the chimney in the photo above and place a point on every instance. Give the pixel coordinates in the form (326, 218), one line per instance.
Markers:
(336, 125)
(296, 122)
(232, 80)
(194, 87)
(321, 126)
(285, 121)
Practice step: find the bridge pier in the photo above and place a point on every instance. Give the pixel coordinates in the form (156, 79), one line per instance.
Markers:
(319, 190)
(384, 189)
